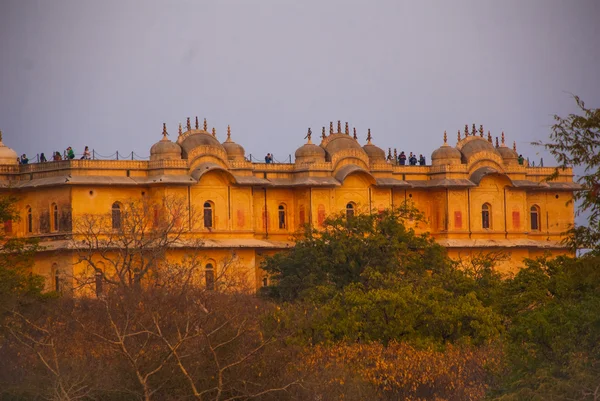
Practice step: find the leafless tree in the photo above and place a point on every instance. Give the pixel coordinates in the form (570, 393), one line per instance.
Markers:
(44, 336)
(214, 344)
(123, 247)
(223, 344)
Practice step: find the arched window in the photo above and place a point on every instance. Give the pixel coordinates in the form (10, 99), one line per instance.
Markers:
(210, 277)
(29, 220)
(54, 217)
(535, 217)
(208, 214)
(98, 275)
(56, 278)
(156, 216)
(485, 215)
(350, 207)
(282, 217)
(116, 216)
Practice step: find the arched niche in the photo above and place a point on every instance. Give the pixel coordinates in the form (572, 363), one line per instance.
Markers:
(353, 176)
(212, 174)
(205, 160)
(489, 177)
(485, 160)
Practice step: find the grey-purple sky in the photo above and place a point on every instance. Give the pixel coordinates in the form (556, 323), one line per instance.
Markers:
(108, 73)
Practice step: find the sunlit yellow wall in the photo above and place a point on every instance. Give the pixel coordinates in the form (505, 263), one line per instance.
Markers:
(509, 260)
(490, 191)
(41, 202)
(250, 211)
(355, 189)
(99, 199)
(458, 212)
(381, 198)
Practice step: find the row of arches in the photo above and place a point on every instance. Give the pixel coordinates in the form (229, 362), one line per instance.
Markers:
(209, 216)
(58, 282)
(54, 218)
(534, 217)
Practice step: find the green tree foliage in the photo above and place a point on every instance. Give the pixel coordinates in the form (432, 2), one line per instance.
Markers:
(554, 335)
(364, 249)
(575, 141)
(553, 306)
(16, 258)
(372, 278)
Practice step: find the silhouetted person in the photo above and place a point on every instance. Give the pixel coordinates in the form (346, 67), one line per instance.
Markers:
(86, 153)
(269, 158)
(521, 160)
(402, 159)
(421, 160)
(43, 158)
(412, 160)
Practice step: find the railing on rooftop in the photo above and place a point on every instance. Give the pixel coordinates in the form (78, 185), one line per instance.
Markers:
(287, 160)
(93, 156)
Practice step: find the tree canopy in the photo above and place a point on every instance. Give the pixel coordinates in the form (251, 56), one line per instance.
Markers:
(575, 141)
(370, 277)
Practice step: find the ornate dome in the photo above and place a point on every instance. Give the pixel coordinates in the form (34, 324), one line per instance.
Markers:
(509, 156)
(376, 154)
(445, 154)
(475, 144)
(309, 152)
(7, 155)
(193, 138)
(165, 149)
(234, 151)
(337, 142)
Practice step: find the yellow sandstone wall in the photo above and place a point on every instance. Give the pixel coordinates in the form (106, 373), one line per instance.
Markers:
(245, 204)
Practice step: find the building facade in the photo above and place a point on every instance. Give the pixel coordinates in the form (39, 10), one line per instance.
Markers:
(476, 196)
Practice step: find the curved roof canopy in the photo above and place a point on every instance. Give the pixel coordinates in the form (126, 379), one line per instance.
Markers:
(482, 172)
(352, 169)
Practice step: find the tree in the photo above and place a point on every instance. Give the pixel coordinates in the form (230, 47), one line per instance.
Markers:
(45, 357)
(17, 284)
(398, 372)
(575, 141)
(553, 306)
(129, 245)
(155, 343)
(554, 330)
(160, 328)
(20, 290)
(360, 249)
(371, 278)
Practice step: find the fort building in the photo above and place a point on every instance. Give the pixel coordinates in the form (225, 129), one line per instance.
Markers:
(475, 195)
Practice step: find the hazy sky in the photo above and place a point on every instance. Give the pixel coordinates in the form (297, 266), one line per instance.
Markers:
(108, 73)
